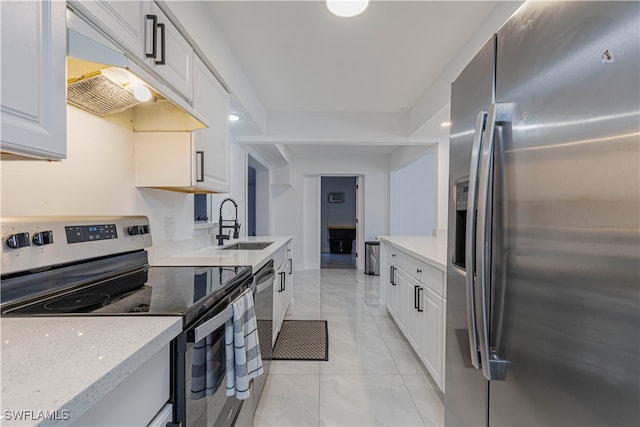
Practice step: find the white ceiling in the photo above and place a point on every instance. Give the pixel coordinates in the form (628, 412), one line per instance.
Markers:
(299, 57)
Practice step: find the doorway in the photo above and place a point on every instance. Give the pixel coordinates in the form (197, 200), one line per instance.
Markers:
(258, 198)
(338, 221)
(251, 201)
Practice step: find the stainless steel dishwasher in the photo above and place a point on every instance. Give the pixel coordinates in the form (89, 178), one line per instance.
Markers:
(263, 301)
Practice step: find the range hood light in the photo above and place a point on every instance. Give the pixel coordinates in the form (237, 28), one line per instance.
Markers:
(141, 92)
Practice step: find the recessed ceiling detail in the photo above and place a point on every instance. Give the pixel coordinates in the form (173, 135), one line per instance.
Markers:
(299, 57)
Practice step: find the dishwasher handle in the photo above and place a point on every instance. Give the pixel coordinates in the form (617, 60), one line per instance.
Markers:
(263, 278)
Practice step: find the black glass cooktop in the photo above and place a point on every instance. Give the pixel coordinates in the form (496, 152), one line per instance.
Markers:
(177, 291)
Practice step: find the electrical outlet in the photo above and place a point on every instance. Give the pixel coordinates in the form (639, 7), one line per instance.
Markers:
(169, 227)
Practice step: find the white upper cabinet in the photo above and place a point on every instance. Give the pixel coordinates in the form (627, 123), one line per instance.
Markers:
(174, 57)
(33, 49)
(124, 20)
(212, 144)
(147, 35)
(168, 161)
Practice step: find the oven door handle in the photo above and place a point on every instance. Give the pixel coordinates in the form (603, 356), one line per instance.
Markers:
(212, 324)
(220, 319)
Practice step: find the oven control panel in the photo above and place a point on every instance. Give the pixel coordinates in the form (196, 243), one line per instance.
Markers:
(30, 243)
(90, 233)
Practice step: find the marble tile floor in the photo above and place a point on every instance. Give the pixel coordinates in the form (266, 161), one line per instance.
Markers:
(372, 378)
(329, 260)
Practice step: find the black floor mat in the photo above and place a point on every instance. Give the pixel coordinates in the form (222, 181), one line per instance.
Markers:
(302, 340)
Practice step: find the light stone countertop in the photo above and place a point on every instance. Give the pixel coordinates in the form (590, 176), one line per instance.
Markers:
(429, 249)
(70, 363)
(216, 256)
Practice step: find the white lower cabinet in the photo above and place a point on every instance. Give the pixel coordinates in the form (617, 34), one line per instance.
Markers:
(137, 399)
(282, 288)
(414, 293)
(415, 319)
(212, 144)
(433, 337)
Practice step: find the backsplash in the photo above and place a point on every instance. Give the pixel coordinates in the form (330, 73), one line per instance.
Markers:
(97, 178)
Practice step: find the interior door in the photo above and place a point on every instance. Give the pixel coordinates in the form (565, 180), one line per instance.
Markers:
(569, 323)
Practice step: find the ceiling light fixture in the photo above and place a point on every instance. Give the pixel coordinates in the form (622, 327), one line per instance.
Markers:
(445, 124)
(347, 8)
(234, 117)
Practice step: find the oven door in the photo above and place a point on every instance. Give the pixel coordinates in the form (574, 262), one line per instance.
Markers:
(200, 372)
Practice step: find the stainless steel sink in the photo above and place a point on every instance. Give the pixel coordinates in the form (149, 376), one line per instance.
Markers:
(248, 246)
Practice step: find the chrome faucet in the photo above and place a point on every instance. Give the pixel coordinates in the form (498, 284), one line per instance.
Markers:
(236, 225)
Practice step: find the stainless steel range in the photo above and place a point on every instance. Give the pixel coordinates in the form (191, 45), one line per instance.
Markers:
(98, 266)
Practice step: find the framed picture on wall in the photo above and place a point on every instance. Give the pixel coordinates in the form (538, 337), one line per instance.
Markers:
(336, 197)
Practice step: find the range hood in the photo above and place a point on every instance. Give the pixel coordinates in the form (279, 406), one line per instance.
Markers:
(101, 80)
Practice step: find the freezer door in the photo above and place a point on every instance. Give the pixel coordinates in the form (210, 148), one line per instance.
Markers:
(566, 315)
(465, 387)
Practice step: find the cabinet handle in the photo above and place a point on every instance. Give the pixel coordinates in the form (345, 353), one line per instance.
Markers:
(420, 309)
(154, 37)
(282, 279)
(290, 266)
(418, 271)
(415, 297)
(161, 27)
(201, 155)
(392, 275)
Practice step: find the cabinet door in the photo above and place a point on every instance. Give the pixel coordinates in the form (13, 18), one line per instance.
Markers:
(212, 143)
(124, 21)
(33, 51)
(415, 313)
(391, 289)
(399, 301)
(280, 302)
(433, 333)
(288, 269)
(174, 57)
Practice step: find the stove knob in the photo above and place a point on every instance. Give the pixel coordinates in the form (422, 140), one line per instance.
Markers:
(43, 238)
(133, 230)
(18, 240)
(145, 229)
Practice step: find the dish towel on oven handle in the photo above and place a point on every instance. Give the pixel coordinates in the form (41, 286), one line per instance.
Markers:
(242, 347)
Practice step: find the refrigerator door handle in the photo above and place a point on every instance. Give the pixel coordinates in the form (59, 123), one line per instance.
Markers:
(493, 368)
(470, 254)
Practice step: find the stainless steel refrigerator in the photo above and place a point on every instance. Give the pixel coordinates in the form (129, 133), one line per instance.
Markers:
(543, 277)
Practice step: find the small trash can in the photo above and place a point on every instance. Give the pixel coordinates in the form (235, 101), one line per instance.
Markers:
(372, 258)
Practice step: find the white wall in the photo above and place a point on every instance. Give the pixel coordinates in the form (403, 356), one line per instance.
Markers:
(413, 197)
(442, 186)
(293, 215)
(237, 190)
(97, 178)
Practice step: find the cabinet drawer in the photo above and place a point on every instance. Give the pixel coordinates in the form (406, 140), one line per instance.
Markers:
(397, 257)
(430, 276)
